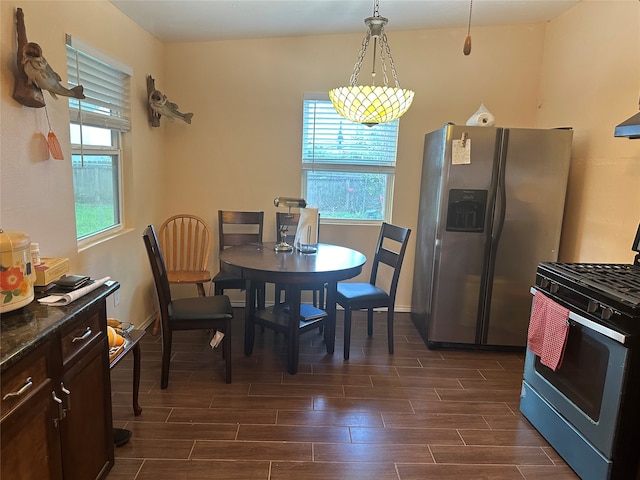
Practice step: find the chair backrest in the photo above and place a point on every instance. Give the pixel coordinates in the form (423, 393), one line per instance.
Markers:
(239, 228)
(185, 241)
(392, 245)
(292, 226)
(159, 271)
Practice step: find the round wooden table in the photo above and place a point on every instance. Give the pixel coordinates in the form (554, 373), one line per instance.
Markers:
(260, 263)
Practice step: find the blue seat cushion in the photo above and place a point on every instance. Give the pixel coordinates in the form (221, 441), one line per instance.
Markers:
(361, 295)
(223, 276)
(201, 308)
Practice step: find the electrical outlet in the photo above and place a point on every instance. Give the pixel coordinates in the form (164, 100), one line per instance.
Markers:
(116, 298)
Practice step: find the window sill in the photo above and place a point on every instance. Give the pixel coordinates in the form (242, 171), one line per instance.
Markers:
(350, 222)
(102, 238)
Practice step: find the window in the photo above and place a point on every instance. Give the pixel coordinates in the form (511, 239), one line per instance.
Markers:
(97, 124)
(347, 168)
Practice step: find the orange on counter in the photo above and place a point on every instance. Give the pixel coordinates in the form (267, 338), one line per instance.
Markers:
(115, 340)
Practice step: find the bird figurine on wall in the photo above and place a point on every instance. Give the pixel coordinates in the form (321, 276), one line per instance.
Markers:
(40, 73)
(161, 105)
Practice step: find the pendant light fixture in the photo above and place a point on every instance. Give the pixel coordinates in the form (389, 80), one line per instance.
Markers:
(372, 104)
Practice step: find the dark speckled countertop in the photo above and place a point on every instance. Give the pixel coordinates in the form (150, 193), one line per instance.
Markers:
(25, 328)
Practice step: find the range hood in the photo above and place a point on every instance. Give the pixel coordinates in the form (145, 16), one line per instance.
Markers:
(629, 128)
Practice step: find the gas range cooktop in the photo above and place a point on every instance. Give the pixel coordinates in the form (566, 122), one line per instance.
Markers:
(620, 282)
(607, 294)
(617, 286)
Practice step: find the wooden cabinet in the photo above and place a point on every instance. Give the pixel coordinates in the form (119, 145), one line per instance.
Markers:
(30, 419)
(87, 444)
(55, 409)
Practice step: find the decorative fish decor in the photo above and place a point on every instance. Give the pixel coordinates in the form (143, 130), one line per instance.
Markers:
(40, 73)
(160, 104)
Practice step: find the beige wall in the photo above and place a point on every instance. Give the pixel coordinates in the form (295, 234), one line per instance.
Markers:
(591, 80)
(243, 147)
(37, 193)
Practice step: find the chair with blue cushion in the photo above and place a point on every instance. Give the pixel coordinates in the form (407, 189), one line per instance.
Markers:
(193, 313)
(390, 250)
(237, 228)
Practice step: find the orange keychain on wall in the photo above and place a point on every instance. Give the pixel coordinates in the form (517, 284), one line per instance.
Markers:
(55, 150)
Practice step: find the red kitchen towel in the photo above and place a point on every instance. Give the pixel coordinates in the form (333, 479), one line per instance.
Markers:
(548, 330)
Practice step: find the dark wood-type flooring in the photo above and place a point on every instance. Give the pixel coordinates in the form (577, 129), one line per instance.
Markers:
(418, 414)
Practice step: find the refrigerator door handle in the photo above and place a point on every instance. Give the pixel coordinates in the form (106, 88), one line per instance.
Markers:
(497, 225)
(501, 194)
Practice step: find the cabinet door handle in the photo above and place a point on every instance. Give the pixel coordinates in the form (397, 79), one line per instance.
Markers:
(61, 412)
(27, 385)
(84, 336)
(68, 394)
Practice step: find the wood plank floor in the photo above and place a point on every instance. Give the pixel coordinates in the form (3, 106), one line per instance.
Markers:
(417, 414)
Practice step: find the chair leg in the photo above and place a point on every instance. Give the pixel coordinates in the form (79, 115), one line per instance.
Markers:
(226, 349)
(201, 292)
(390, 329)
(347, 332)
(156, 325)
(370, 321)
(166, 358)
(261, 294)
(319, 295)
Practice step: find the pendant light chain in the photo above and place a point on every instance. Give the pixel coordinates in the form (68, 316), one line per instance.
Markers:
(470, 9)
(373, 104)
(361, 55)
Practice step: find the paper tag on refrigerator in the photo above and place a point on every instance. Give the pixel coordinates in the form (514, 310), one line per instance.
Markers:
(461, 152)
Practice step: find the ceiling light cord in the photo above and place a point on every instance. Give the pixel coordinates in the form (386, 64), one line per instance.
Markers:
(466, 49)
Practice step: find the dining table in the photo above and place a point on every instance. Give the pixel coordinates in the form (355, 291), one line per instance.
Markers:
(259, 263)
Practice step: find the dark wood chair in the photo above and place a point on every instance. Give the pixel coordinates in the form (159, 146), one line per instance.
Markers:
(185, 242)
(291, 222)
(237, 228)
(390, 250)
(194, 313)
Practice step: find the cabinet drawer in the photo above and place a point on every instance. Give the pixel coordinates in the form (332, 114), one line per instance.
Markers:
(24, 379)
(79, 336)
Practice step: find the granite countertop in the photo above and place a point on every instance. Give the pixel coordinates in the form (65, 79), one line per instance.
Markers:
(25, 328)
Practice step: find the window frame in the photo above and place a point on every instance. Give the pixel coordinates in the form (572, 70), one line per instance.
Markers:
(115, 152)
(386, 168)
(107, 83)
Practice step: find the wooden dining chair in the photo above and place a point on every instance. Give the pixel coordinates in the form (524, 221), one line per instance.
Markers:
(237, 228)
(194, 313)
(185, 241)
(291, 222)
(390, 250)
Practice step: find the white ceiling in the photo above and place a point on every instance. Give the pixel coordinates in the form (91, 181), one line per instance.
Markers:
(206, 20)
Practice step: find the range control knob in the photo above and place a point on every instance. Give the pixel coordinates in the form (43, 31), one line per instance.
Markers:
(606, 313)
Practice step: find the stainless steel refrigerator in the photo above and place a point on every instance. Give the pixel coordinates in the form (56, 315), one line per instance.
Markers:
(491, 208)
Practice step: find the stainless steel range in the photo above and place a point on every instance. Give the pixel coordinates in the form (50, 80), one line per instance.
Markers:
(588, 409)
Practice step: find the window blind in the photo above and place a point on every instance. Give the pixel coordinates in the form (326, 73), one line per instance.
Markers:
(106, 86)
(328, 138)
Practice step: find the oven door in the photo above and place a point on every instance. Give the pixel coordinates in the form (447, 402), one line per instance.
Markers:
(587, 388)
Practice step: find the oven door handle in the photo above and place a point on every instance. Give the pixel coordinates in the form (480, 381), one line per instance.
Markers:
(591, 325)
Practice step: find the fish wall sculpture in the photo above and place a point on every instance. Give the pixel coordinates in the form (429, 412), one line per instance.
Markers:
(161, 105)
(40, 73)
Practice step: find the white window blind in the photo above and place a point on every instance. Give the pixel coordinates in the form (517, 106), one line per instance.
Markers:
(106, 86)
(329, 139)
(348, 169)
